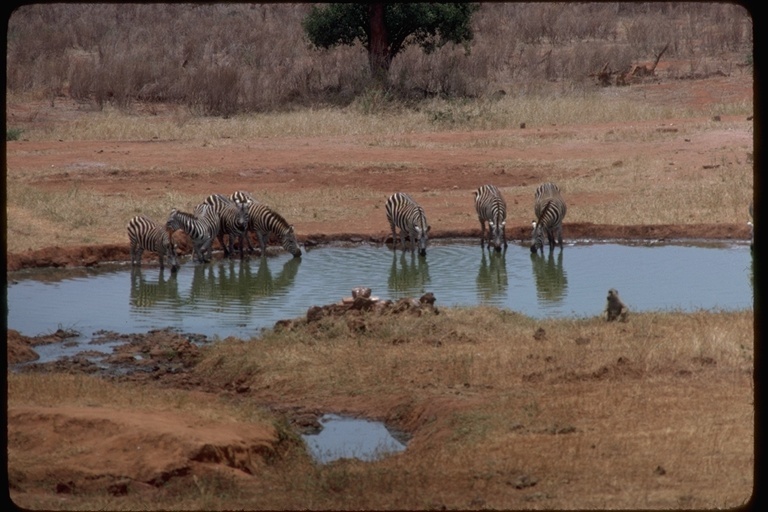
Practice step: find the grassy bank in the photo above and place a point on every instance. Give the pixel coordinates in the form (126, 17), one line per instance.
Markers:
(504, 411)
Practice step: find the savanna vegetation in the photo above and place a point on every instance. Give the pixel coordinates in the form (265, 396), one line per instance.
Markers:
(223, 59)
(503, 411)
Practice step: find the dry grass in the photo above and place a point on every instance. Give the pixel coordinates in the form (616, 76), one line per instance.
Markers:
(389, 127)
(472, 347)
(216, 64)
(55, 389)
(589, 410)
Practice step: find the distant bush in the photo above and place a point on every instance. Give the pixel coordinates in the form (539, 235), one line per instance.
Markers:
(221, 59)
(13, 133)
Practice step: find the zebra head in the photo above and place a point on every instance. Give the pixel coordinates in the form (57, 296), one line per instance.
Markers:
(497, 233)
(170, 250)
(290, 243)
(422, 236)
(172, 224)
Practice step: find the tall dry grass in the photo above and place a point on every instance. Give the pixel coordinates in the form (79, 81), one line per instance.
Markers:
(224, 59)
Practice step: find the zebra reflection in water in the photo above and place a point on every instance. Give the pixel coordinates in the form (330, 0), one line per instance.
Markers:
(549, 275)
(492, 275)
(411, 275)
(146, 293)
(235, 283)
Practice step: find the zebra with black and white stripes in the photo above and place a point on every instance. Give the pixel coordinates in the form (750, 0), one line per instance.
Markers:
(550, 209)
(202, 226)
(146, 234)
(241, 196)
(406, 214)
(491, 208)
(233, 221)
(263, 221)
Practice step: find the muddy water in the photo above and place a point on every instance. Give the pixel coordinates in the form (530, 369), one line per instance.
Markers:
(237, 298)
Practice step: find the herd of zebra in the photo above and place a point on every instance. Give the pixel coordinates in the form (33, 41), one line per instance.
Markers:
(405, 214)
(217, 216)
(237, 215)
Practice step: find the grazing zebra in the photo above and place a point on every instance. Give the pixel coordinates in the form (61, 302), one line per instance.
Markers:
(751, 224)
(201, 226)
(491, 208)
(233, 221)
(550, 210)
(404, 213)
(262, 220)
(145, 233)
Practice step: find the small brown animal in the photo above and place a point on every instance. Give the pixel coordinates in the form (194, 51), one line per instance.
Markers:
(615, 308)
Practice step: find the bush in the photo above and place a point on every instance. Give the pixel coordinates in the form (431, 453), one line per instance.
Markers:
(13, 133)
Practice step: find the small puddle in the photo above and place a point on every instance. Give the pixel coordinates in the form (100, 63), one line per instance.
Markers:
(345, 437)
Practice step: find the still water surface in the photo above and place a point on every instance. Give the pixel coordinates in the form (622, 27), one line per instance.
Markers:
(237, 298)
(345, 437)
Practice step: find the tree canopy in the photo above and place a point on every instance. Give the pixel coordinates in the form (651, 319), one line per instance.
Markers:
(385, 29)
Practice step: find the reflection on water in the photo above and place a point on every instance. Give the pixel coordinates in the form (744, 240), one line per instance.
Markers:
(147, 292)
(409, 274)
(549, 275)
(239, 298)
(229, 282)
(492, 275)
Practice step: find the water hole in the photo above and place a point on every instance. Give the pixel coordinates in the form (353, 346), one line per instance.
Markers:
(345, 437)
(239, 298)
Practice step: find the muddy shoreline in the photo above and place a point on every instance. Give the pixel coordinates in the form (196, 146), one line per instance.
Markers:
(90, 255)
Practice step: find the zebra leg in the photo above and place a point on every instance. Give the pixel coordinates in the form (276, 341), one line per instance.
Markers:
(247, 237)
(224, 248)
(482, 233)
(394, 236)
(241, 241)
(263, 242)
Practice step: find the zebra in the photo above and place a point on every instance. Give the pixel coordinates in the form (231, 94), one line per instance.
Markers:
(404, 213)
(262, 220)
(241, 196)
(491, 208)
(233, 221)
(201, 226)
(145, 233)
(550, 210)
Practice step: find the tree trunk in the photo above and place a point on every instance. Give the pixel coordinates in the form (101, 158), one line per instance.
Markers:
(378, 53)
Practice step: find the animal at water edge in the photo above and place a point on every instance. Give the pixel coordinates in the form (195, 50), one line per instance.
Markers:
(263, 221)
(615, 309)
(491, 208)
(550, 209)
(233, 221)
(202, 226)
(406, 214)
(146, 234)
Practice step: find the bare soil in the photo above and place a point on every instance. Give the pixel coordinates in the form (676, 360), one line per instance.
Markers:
(182, 447)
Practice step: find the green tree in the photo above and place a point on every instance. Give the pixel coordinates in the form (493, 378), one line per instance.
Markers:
(385, 29)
